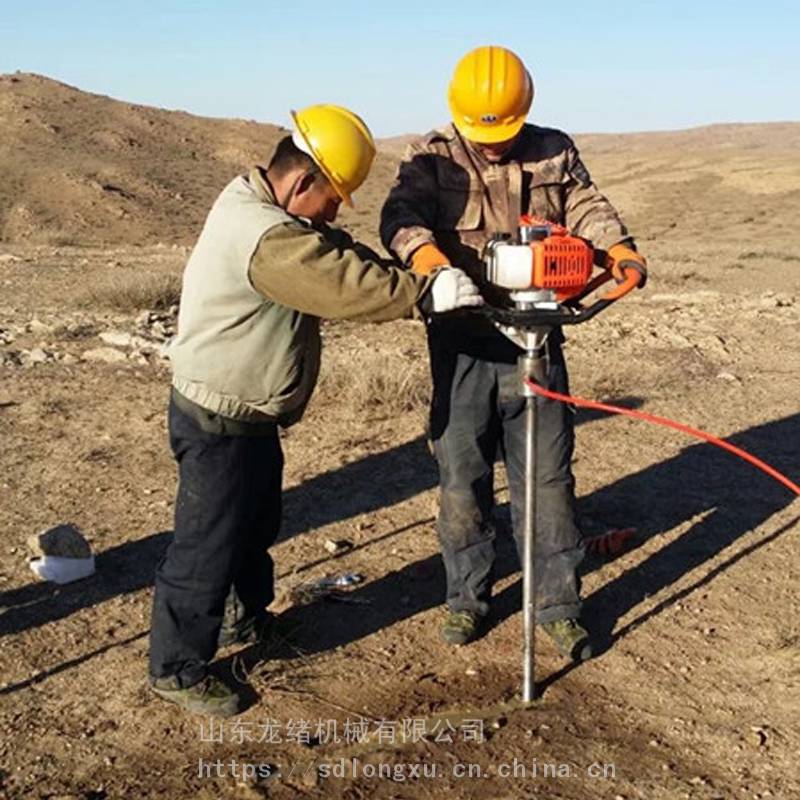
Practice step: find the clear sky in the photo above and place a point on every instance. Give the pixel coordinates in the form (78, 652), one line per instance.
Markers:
(597, 66)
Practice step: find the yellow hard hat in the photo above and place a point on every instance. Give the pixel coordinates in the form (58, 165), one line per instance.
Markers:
(340, 144)
(490, 95)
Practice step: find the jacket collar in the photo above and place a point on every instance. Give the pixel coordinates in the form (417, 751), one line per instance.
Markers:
(257, 178)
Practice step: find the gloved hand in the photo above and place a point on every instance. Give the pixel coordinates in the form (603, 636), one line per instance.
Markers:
(452, 288)
(426, 258)
(621, 257)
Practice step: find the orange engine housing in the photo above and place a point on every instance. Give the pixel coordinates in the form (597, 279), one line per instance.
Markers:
(561, 262)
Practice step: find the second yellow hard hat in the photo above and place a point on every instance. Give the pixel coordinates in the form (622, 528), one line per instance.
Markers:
(490, 95)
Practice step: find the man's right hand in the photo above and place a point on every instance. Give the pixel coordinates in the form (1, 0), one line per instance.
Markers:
(452, 288)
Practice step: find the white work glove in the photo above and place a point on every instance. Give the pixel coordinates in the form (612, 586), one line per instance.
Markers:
(451, 289)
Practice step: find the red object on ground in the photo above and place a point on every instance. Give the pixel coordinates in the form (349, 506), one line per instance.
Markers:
(610, 543)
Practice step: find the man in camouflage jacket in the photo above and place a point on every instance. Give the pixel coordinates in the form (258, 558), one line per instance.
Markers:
(456, 188)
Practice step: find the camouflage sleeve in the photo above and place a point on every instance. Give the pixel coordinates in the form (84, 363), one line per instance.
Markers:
(588, 213)
(409, 213)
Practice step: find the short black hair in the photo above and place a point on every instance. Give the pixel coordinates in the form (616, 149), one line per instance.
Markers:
(289, 156)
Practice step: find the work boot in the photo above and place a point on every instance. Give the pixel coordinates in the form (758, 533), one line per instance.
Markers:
(460, 627)
(209, 697)
(570, 638)
(251, 631)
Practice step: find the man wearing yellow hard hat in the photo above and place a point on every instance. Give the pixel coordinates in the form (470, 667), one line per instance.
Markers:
(266, 268)
(456, 188)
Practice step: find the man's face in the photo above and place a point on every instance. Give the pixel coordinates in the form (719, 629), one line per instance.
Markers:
(317, 201)
(494, 152)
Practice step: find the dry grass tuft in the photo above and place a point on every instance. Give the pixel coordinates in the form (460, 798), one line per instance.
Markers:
(132, 290)
(373, 383)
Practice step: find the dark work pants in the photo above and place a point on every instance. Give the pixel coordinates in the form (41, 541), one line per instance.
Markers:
(227, 513)
(476, 413)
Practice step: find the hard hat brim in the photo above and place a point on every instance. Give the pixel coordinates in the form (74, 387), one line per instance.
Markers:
(482, 134)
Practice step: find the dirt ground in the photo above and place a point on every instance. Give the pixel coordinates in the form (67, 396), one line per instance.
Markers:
(695, 688)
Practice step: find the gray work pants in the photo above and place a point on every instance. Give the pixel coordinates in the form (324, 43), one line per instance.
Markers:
(477, 412)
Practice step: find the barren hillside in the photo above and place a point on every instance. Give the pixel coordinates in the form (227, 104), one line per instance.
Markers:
(82, 168)
(79, 168)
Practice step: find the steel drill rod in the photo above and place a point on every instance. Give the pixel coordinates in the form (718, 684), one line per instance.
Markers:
(529, 556)
(529, 538)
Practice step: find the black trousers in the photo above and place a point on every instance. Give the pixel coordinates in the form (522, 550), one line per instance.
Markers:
(476, 413)
(227, 513)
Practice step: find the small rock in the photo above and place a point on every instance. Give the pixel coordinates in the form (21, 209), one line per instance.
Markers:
(757, 736)
(116, 338)
(471, 671)
(68, 358)
(337, 546)
(39, 356)
(11, 358)
(769, 300)
(37, 326)
(9, 258)
(65, 541)
(729, 377)
(107, 355)
(159, 331)
(79, 330)
(142, 344)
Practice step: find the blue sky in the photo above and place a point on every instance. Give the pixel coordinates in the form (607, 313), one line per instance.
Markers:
(597, 66)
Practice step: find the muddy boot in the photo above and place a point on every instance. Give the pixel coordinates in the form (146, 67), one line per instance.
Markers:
(209, 697)
(248, 631)
(460, 627)
(570, 638)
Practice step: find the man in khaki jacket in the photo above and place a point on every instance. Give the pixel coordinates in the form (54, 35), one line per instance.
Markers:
(245, 361)
(456, 188)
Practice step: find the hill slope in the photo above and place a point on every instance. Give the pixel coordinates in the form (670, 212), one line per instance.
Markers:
(86, 169)
(82, 168)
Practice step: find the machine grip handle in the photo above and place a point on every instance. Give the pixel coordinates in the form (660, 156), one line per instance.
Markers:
(633, 277)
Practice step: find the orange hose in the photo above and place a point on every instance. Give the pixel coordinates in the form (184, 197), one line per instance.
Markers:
(678, 426)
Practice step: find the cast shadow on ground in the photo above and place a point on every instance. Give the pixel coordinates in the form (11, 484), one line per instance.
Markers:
(359, 487)
(726, 497)
(382, 479)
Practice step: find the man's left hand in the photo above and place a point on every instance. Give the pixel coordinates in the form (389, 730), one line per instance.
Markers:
(621, 257)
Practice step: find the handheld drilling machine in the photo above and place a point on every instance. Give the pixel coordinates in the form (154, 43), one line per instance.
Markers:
(547, 273)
